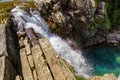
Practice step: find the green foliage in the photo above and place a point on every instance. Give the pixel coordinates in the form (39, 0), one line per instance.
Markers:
(107, 22)
(111, 17)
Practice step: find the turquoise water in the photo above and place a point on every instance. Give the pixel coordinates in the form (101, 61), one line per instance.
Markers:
(105, 59)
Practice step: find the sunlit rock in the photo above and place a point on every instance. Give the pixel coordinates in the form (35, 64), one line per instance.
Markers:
(104, 77)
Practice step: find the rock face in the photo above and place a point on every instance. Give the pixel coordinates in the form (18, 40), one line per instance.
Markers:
(3, 40)
(104, 77)
(74, 19)
(7, 69)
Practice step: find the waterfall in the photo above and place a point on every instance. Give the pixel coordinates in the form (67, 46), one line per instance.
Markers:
(33, 19)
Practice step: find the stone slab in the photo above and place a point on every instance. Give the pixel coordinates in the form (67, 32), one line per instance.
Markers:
(26, 70)
(59, 70)
(40, 65)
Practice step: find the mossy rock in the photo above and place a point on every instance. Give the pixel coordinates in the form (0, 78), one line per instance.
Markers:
(6, 7)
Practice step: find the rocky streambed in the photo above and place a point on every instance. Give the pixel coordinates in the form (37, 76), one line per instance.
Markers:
(20, 60)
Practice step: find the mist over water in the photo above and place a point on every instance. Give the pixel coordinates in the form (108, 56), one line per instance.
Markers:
(33, 19)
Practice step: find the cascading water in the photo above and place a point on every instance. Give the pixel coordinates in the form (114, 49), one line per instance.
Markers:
(35, 21)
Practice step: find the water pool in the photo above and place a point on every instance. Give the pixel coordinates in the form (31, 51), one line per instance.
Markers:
(104, 59)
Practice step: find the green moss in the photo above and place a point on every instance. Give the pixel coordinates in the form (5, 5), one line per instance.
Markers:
(7, 6)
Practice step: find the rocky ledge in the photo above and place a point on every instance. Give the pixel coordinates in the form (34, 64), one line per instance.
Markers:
(105, 77)
(27, 62)
(114, 38)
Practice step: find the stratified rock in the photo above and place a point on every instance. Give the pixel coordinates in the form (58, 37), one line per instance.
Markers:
(26, 70)
(42, 62)
(40, 65)
(59, 69)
